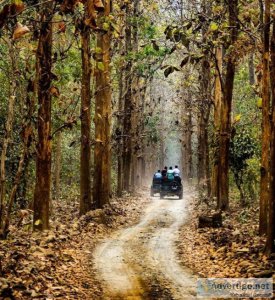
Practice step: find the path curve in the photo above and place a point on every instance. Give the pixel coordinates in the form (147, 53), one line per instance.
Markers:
(139, 262)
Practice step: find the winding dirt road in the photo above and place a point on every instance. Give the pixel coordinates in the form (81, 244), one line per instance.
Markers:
(140, 262)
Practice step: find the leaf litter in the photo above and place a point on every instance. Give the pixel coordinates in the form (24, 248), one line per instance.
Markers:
(234, 250)
(57, 264)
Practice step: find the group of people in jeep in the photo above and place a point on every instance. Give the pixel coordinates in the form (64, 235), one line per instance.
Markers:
(171, 174)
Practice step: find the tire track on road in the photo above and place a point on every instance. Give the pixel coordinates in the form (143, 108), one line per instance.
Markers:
(139, 262)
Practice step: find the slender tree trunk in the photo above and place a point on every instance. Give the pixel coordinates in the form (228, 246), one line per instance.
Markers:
(251, 69)
(270, 247)
(187, 160)
(85, 152)
(57, 171)
(140, 132)
(8, 132)
(203, 117)
(143, 175)
(217, 118)
(226, 106)
(120, 133)
(265, 162)
(134, 133)
(44, 147)
(128, 106)
(102, 153)
(135, 142)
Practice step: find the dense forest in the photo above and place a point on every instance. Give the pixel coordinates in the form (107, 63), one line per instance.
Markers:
(97, 95)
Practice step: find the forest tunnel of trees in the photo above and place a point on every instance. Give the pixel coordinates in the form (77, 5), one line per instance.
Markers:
(96, 95)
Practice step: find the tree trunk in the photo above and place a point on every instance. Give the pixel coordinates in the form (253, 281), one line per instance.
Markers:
(8, 132)
(85, 152)
(135, 143)
(251, 69)
(264, 185)
(134, 133)
(120, 134)
(226, 106)
(102, 153)
(217, 118)
(128, 106)
(203, 117)
(270, 247)
(44, 148)
(57, 171)
(187, 161)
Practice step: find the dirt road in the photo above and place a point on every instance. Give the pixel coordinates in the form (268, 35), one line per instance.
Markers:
(140, 262)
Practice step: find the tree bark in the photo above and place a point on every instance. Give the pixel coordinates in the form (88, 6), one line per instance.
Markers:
(270, 247)
(217, 118)
(102, 152)
(226, 107)
(85, 152)
(251, 69)
(203, 115)
(265, 163)
(120, 133)
(187, 160)
(44, 148)
(128, 106)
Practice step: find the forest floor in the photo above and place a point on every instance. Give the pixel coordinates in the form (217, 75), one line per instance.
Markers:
(139, 248)
(58, 264)
(234, 250)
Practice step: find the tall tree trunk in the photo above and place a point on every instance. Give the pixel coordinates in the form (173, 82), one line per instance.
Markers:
(264, 185)
(203, 116)
(120, 134)
(8, 131)
(57, 171)
(217, 119)
(85, 152)
(134, 133)
(102, 152)
(140, 132)
(226, 106)
(128, 106)
(270, 247)
(143, 176)
(187, 160)
(44, 147)
(135, 142)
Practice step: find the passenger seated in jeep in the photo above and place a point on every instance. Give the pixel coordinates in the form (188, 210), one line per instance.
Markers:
(177, 174)
(157, 177)
(170, 174)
